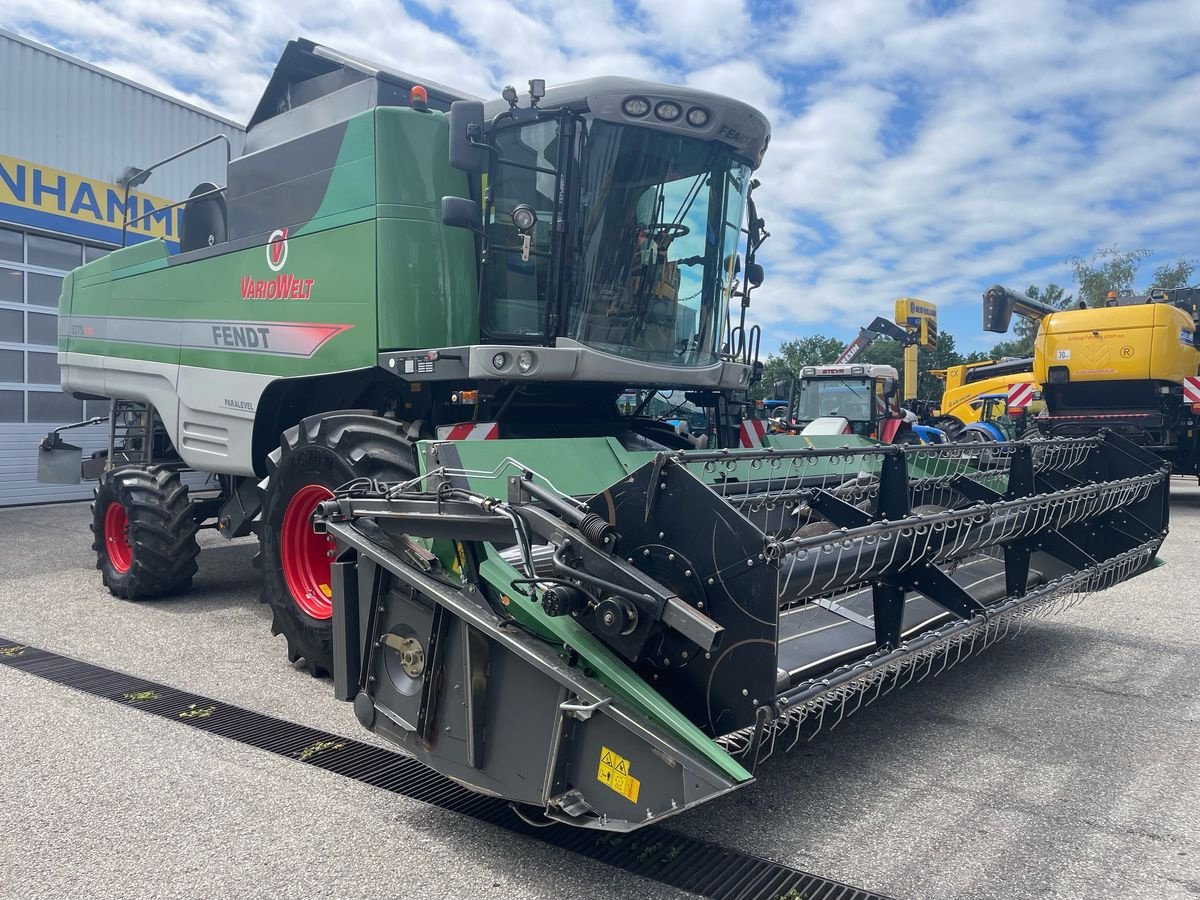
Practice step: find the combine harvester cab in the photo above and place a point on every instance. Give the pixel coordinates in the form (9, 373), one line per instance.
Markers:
(616, 654)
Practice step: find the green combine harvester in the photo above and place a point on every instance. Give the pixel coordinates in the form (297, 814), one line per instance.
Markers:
(397, 338)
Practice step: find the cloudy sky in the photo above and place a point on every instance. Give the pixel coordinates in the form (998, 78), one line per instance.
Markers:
(926, 149)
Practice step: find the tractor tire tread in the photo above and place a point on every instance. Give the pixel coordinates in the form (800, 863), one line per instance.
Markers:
(358, 444)
(162, 532)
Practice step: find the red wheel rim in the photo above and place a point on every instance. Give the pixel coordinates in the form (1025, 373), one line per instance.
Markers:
(116, 537)
(305, 555)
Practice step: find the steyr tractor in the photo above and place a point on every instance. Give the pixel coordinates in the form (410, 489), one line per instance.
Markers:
(859, 400)
(397, 338)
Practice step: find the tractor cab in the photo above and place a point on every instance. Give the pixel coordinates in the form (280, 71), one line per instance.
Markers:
(855, 399)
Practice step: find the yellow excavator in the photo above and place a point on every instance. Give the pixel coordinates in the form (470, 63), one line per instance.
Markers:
(1131, 366)
(965, 387)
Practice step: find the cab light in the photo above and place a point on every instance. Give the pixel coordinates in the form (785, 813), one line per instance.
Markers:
(500, 361)
(525, 361)
(636, 106)
(668, 111)
(697, 117)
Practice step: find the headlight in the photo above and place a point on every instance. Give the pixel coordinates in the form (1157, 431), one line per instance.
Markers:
(525, 361)
(524, 217)
(697, 116)
(636, 106)
(668, 111)
(500, 361)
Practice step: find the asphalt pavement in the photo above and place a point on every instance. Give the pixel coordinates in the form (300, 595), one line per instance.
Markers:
(1060, 764)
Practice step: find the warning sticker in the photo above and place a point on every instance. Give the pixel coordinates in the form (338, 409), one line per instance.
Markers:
(614, 772)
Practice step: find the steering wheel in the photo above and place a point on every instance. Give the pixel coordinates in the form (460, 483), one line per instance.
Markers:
(668, 230)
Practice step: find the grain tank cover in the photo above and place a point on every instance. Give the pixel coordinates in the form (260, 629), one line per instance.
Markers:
(314, 86)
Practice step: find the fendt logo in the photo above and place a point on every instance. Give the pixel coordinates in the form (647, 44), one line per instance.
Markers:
(282, 287)
(277, 249)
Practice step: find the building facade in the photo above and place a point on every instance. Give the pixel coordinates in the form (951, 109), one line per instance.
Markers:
(71, 137)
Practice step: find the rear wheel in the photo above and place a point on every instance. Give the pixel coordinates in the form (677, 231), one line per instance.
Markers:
(144, 532)
(314, 459)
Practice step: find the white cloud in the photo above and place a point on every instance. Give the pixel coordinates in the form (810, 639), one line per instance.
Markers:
(915, 151)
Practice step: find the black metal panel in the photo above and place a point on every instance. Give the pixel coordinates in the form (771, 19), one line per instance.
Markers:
(674, 528)
(282, 185)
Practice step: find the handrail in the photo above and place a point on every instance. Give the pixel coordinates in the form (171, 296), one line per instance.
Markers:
(140, 176)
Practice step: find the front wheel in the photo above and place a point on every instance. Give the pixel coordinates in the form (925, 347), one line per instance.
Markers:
(313, 460)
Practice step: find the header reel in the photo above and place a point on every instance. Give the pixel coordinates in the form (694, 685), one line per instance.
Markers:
(725, 600)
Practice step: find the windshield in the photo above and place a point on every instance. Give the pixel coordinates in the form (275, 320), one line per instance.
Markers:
(651, 223)
(849, 398)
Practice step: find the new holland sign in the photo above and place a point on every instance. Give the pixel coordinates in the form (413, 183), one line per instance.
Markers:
(41, 197)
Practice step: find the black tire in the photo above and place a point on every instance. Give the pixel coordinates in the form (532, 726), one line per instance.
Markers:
(974, 436)
(327, 450)
(949, 424)
(150, 505)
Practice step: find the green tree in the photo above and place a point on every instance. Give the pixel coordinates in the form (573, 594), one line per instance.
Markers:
(1176, 275)
(1016, 348)
(1053, 295)
(814, 350)
(1108, 269)
(1026, 329)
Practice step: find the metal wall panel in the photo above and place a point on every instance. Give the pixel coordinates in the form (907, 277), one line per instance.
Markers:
(18, 464)
(62, 113)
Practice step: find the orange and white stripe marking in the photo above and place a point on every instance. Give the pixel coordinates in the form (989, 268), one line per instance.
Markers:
(753, 431)
(1191, 389)
(1020, 394)
(469, 431)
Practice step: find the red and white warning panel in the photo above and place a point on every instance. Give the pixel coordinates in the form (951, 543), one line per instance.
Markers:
(1191, 389)
(752, 433)
(1020, 394)
(469, 431)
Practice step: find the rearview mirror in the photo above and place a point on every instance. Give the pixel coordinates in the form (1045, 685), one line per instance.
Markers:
(781, 389)
(754, 274)
(459, 212)
(466, 125)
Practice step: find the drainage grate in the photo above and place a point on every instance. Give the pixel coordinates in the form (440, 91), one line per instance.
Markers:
(653, 852)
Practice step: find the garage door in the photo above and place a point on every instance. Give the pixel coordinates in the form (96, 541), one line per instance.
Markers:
(32, 267)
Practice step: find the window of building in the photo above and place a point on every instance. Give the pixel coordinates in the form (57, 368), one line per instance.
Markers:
(43, 368)
(44, 289)
(52, 253)
(12, 285)
(12, 326)
(43, 329)
(12, 366)
(11, 246)
(54, 406)
(11, 406)
(32, 267)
